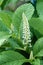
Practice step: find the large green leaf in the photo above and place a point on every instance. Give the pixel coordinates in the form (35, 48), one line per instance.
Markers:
(11, 58)
(3, 26)
(40, 10)
(6, 19)
(3, 37)
(40, 54)
(28, 9)
(18, 62)
(14, 44)
(1, 1)
(38, 47)
(36, 62)
(41, 62)
(37, 26)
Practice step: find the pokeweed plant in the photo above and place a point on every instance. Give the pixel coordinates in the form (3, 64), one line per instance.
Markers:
(21, 35)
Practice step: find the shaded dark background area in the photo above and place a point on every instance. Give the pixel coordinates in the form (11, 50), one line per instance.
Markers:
(20, 2)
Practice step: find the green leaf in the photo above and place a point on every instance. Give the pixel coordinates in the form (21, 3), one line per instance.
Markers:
(2, 26)
(1, 1)
(40, 10)
(41, 62)
(9, 13)
(38, 48)
(37, 27)
(28, 9)
(6, 19)
(36, 62)
(3, 37)
(14, 44)
(40, 54)
(18, 62)
(11, 58)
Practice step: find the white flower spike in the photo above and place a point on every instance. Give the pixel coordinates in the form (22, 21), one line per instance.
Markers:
(26, 36)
